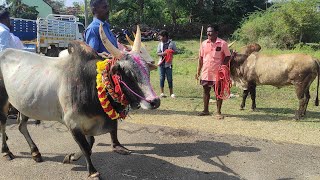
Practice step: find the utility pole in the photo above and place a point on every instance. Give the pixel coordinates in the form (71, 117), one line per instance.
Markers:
(85, 13)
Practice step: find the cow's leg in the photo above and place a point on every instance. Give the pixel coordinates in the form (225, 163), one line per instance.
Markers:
(24, 130)
(300, 91)
(86, 151)
(307, 96)
(76, 156)
(244, 97)
(3, 120)
(116, 146)
(253, 88)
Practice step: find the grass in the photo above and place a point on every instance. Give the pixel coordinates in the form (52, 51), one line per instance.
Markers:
(273, 119)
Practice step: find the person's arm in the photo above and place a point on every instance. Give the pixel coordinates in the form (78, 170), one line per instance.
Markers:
(92, 39)
(159, 52)
(174, 47)
(5, 39)
(226, 53)
(200, 63)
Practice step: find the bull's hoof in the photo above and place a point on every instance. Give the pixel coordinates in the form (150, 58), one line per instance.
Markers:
(8, 156)
(68, 159)
(297, 116)
(37, 122)
(37, 157)
(121, 150)
(241, 108)
(95, 175)
(254, 109)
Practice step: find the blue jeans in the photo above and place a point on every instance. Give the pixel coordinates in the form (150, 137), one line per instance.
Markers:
(165, 72)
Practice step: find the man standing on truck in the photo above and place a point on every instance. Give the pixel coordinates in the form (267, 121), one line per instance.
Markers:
(100, 10)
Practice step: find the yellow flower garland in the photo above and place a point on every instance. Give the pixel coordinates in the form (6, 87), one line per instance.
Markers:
(102, 92)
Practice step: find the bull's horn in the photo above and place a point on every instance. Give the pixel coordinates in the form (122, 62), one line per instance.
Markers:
(134, 35)
(137, 41)
(229, 45)
(129, 40)
(108, 45)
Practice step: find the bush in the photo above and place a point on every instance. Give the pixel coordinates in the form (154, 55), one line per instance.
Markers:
(283, 25)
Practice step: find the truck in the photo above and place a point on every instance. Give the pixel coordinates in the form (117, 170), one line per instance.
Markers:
(48, 35)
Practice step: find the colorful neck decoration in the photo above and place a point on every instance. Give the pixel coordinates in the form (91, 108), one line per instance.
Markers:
(108, 85)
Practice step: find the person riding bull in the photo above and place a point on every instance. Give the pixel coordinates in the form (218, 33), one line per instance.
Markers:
(214, 52)
(100, 10)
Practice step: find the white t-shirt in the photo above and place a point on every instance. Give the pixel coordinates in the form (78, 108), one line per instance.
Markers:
(18, 44)
(6, 40)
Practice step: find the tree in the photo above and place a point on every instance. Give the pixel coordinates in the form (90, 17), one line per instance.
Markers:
(283, 25)
(57, 6)
(21, 10)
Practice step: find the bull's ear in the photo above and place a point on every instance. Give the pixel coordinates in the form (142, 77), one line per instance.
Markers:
(71, 48)
(115, 68)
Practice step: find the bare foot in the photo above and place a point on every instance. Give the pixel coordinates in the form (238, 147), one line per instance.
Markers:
(203, 113)
(219, 117)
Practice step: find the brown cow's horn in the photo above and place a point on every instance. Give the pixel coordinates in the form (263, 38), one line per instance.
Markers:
(137, 41)
(229, 45)
(108, 45)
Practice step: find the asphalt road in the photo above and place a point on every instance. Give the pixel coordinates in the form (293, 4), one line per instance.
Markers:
(160, 153)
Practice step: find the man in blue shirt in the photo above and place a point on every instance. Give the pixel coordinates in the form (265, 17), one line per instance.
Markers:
(6, 40)
(100, 10)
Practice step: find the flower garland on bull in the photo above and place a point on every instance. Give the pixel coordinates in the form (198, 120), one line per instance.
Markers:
(110, 88)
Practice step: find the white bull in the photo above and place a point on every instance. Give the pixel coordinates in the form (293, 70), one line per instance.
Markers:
(64, 89)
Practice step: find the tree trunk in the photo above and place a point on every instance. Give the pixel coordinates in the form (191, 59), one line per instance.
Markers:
(141, 8)
(172, 7)
(86, 13)
(301, 36)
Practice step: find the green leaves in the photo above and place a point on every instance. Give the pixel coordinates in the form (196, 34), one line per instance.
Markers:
(284, 24)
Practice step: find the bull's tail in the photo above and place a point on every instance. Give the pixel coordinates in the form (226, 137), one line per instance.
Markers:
(317, 97)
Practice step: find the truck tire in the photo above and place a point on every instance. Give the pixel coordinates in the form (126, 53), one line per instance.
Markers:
(53, 52)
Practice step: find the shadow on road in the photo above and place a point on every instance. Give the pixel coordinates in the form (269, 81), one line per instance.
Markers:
(271, 114)
(140, 165)
(204, 150)
(165, 112)
(277, 114)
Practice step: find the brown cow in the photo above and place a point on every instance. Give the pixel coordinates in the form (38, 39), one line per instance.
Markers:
(252, 68)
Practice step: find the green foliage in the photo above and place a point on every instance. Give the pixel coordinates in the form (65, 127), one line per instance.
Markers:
(283, 25)
(20, 10)
(182, 13)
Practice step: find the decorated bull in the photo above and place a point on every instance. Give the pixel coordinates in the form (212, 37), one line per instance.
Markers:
(79, 90)
(252, 68)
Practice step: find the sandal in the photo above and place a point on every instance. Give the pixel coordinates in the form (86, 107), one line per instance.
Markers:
(203, 113)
